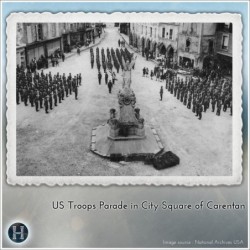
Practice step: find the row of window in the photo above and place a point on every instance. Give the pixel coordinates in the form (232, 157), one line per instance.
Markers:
(170, 34)
(37, 33)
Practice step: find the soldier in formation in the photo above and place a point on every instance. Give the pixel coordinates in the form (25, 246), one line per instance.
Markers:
(161, 93)
(197, 94)
(40, 89)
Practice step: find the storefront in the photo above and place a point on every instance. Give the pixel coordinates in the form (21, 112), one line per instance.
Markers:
(52, 46)
(125, 28)
(66, 43)
(224, 62)
(43, 48)
(90, 34)
(34, 51)
(75, 38)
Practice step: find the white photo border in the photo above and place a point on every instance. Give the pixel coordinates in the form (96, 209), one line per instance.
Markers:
(45, 17)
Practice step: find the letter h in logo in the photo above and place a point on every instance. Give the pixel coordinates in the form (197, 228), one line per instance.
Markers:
(15, 233)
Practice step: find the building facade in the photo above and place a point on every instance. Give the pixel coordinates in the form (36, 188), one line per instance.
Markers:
(168, 41)
(195, 43)
(223, 46)
(36, 40)
(188, 45)
(144, 37)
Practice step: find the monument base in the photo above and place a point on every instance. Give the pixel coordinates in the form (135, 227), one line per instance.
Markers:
(125, 148)
(125, 138)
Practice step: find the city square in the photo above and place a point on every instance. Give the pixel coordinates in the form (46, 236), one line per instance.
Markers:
(58, 142)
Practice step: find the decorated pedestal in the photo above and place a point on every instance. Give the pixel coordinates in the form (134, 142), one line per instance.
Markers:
(130, 125)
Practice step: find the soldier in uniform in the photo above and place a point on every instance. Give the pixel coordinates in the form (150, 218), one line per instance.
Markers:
(106, 77)
(59, 95)
(76, 91)
(199, 111)
(62, 92)
(218, 108)
(36, 102)
(213, 104)
(69, 86)
(152, 74)
(194, 105)
(46, 105)
(17, 96)
(31, 97)
(80, 79)
(50, 101)
(25, 96)
(185, 98)
(55, 98)
(113, 78)
(110, 86)
(41, 100)
(161, 93)
(189, 101)
(92, 61)
(99, 77)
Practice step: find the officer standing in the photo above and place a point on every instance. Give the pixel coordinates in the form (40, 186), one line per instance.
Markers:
(99, 77)
(161, 92)
(110, 86)
(46, 105)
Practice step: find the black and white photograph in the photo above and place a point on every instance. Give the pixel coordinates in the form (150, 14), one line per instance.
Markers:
(97, 99)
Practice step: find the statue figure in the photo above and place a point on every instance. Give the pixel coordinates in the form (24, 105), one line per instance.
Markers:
(139, 118)
(126, 75)
(112, 121)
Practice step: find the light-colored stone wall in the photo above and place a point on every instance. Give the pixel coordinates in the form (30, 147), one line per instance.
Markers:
(219, 47)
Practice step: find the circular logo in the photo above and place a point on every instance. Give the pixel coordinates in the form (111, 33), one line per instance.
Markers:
(18, 232)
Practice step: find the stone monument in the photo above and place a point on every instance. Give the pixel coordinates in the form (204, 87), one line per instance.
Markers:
(125, 136)
(130, 125)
